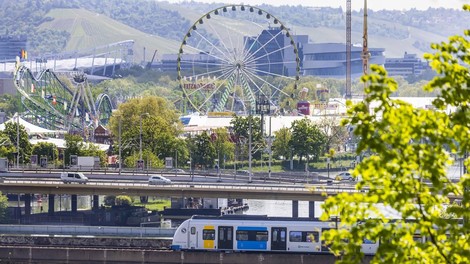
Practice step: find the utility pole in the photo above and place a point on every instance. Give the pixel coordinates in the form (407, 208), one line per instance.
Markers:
(120, 144)
(249, 150)
(18, 140)
(348, 49)
(140, 162)
(365, 50)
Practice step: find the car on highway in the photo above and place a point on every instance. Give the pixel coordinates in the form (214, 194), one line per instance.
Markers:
(158, 180)
(244, 172)
(176, 171)
(69, 177)
(344, 176)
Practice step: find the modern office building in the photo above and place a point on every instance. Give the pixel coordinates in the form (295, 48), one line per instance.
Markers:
(329, 59)
(274, 53)
(10, 47)
(409, 65)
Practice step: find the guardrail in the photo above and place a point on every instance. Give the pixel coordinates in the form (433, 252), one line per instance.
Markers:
(88, 230)
(207, 186)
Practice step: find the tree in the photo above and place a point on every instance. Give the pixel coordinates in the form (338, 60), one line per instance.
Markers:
(48, 150)
(73, 145)
(335, 134)
(281, 147)
(241, 130)
(24, 144)
(406, 171)
(3, 208)
(203, 152)
(307, 139)
(223, 147)
(160, 128)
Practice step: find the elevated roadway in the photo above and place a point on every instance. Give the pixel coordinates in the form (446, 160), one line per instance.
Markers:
(303, 192)
(183, 186)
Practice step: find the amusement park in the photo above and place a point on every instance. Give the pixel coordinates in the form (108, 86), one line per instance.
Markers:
(220, 73)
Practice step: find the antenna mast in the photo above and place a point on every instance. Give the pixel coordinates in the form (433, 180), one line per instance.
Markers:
(365, 50)
(348, 50)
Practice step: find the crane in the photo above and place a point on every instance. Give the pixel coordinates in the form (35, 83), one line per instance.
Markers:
(149, 65)
(348, 49)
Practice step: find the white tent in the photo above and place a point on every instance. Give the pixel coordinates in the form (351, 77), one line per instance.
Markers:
(60, 143)
(30, 128)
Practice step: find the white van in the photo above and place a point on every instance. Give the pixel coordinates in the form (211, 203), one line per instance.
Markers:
(69, 177)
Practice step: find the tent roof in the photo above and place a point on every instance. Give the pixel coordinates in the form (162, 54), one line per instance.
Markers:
(60, 143)
(30, 128)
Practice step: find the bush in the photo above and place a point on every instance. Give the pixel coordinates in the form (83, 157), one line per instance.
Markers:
(123, 200)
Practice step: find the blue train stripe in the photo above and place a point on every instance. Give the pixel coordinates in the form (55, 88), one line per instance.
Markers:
(254, 245)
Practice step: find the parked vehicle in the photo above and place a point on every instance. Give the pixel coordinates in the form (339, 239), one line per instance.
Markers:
(69, 177)
(158, 180)
(344, 176)
(256, 233)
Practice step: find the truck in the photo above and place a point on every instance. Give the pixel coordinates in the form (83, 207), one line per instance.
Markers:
(86, 162)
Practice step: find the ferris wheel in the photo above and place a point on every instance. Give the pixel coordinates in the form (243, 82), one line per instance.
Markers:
(233, 55)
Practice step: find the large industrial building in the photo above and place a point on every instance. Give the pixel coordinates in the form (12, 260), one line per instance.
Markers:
(277, 57)
(409, 65)
(328, 60)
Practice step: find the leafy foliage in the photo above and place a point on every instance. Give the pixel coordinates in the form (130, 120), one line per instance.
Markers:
(3, 208)
(203, 152)
(281, 147)
(307, 139)
(10, 132)
(160, 128)
(74, 145)
(223, 145)
(45, 149)
(406, 171)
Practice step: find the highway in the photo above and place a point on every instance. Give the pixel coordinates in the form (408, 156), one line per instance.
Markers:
(210, 186)
(183, 185)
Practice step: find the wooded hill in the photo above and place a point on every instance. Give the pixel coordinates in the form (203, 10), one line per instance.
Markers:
(65, 25)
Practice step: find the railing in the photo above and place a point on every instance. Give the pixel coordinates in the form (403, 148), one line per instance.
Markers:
(202, 186)
(88, 230)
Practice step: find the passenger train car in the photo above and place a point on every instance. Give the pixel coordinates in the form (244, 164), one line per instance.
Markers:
(255, 233)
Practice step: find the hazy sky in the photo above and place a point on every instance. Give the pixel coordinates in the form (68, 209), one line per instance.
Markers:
(356, 4)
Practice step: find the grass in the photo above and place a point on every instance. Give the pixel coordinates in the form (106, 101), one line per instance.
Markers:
(154, 204)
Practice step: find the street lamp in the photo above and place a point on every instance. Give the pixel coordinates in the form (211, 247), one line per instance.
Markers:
(18, 140)
(262, 108)
(140, 162)
(120, 157)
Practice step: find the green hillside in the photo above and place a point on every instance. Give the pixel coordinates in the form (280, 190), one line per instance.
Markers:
(394, 47)
(88, 30)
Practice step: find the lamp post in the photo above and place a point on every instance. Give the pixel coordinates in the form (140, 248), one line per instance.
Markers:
(18, 140)
(263, 108)
(140, 162)
(120, 157)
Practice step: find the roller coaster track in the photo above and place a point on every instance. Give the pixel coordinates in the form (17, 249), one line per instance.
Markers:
(52, 104)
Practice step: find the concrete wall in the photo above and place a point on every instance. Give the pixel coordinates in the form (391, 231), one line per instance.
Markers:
(74, 255)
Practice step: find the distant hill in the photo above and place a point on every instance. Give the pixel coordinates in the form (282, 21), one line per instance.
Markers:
(57, 25)
(88, 30)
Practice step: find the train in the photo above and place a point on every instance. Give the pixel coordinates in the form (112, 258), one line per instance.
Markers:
(243, 233)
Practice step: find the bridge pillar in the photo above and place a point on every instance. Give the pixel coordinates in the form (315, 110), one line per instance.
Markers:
(295, 208)
(51, 199)
(27, 203)
(311, 209)
(74, 203)
(96, 202)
